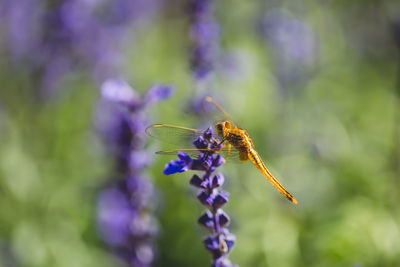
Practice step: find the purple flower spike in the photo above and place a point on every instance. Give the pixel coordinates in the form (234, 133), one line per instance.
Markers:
(125, 207)
(220, 241)
(204, 34)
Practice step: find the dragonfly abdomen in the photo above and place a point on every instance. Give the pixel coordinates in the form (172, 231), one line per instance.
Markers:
(256, 160)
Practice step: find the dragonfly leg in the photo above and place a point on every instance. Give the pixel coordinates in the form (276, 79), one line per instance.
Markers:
(220, 143)
(220, 149)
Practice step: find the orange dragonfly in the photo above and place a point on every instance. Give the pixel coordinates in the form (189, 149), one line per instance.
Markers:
(231, 137)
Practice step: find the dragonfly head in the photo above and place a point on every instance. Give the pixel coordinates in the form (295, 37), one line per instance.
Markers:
(222, 127)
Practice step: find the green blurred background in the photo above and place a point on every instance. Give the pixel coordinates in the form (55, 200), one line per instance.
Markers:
(331, 136)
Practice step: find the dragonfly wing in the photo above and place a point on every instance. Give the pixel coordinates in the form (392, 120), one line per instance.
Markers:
(192, 152)
(232, 157)
(174, 135)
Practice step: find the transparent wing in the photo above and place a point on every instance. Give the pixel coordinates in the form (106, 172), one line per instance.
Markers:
(230, 157)
(192, 152)
(174, 135)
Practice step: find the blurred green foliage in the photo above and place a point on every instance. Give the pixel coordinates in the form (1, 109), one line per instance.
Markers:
(332, 141)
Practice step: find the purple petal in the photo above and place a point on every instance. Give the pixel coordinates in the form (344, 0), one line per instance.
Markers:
(185, 157)
(212, 243)
(197, 181)
(157, 93)
(117, 90)
(229, 240)
(175, 166)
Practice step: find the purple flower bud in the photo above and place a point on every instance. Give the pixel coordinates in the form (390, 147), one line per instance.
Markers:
(207, 134)
(207, 220)
(198, 182)
(200, 143)
(218, 160)
(213, 244)
(229, 239)
(205, 198)
(207, 161)
(223, 218)
(217, 180)
(220, 199)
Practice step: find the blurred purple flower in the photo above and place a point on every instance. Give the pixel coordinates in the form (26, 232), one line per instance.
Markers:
(70, 35)
(125, 206)
(204, 34)
(200, 107)
(293, 38)
(293, 44)
(220, 242)
(119, 91)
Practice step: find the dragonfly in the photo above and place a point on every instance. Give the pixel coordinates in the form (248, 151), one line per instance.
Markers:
(234, 142)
